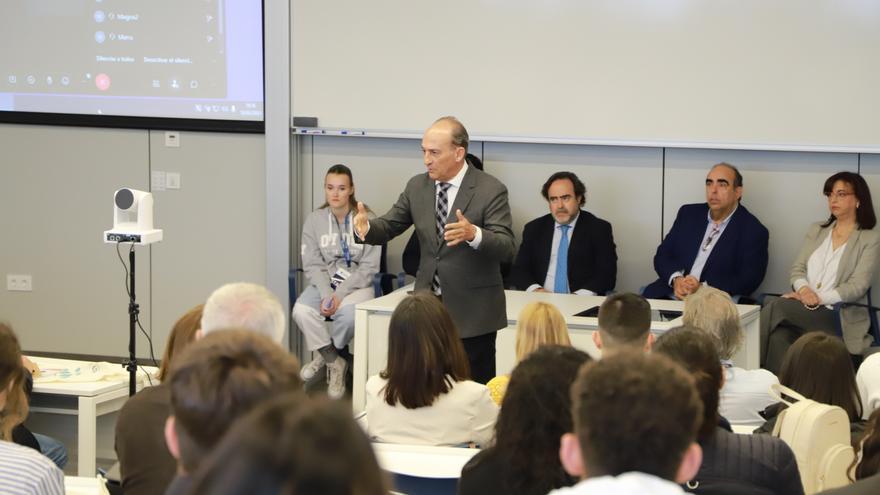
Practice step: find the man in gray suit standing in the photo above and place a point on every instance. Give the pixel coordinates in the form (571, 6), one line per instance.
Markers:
(462, 218)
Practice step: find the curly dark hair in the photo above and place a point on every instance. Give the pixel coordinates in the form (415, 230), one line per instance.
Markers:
(580, 190)
(536, 411)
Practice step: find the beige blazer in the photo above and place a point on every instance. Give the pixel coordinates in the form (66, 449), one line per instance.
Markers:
(857, 269)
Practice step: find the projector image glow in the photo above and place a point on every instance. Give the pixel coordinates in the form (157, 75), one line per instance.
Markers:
(132, 218)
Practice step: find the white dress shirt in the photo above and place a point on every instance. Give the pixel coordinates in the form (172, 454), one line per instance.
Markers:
(550, 279)
(632, 483)
(706, 246)
(744, 394)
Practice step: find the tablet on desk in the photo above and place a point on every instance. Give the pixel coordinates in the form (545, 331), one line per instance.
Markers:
(589, 312)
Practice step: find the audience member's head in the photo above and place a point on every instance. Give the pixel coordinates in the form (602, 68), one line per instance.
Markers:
(184, 333)
(293, 445)
(535, 413)
(624, 323)
(539, 324)
(217, 380)
(819, 367)
(246, 306)
(13, 403)
(694, 350)
(712, 310)
(425, 354)
(634, 411)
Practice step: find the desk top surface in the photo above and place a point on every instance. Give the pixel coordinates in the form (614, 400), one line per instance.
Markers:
(568, 304)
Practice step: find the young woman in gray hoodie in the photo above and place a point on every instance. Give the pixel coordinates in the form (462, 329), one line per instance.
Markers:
(340, 274)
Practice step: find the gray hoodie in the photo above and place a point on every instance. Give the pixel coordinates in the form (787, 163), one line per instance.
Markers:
(322, 254)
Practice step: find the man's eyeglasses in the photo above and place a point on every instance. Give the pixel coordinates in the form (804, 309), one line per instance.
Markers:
(838, 194)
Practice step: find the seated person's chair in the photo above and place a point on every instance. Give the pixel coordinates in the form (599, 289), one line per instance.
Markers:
(873, 328)
(423, 470)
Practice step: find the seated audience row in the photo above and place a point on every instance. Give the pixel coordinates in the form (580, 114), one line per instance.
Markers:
(746, 464)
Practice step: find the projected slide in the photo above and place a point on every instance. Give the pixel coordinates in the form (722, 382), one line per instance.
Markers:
(199, 59)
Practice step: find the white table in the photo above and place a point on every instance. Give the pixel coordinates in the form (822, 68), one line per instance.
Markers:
(372, 319)
(86, 401)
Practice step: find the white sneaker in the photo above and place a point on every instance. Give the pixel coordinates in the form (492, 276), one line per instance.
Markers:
(336, 378)
(310, 370)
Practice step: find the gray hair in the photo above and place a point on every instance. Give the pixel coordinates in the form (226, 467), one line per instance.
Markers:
(246, 306)
(712, 311)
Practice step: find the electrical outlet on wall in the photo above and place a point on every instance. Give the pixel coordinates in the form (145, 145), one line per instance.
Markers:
(19, 283)
(172, 180)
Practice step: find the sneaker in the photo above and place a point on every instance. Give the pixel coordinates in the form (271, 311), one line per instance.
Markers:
(310, 370)
(336, 378)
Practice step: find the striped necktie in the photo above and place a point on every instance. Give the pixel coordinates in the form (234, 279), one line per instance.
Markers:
(440, 212)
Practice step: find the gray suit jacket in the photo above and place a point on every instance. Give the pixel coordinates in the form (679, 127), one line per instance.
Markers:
(857, 268)
(470, 279)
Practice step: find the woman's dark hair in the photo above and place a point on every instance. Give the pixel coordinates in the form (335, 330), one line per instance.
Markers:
(182, 335)
(12, 378)
(865, 212)
(295, 445)
(868, 463)
(819, 367)
(340, 169)
(535, 413)
(695, 350)
(425, 354)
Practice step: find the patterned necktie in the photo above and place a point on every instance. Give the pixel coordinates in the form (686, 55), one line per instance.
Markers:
(560, 284)
(440, 213)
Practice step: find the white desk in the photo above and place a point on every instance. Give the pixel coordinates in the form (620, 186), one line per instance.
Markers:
(372, 318)
(85, 400)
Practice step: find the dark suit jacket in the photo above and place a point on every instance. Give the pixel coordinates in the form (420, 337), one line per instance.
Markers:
(592, 259)
(738, 260)
(470, 278)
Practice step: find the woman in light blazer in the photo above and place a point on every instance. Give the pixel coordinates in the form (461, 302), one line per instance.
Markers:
(837, 262)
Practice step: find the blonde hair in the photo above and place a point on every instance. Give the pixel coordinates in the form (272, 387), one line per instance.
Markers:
(539, 324)
(712, 311)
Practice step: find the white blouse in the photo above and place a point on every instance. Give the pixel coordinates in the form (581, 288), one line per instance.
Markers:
(464, 414)
(822, 271)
